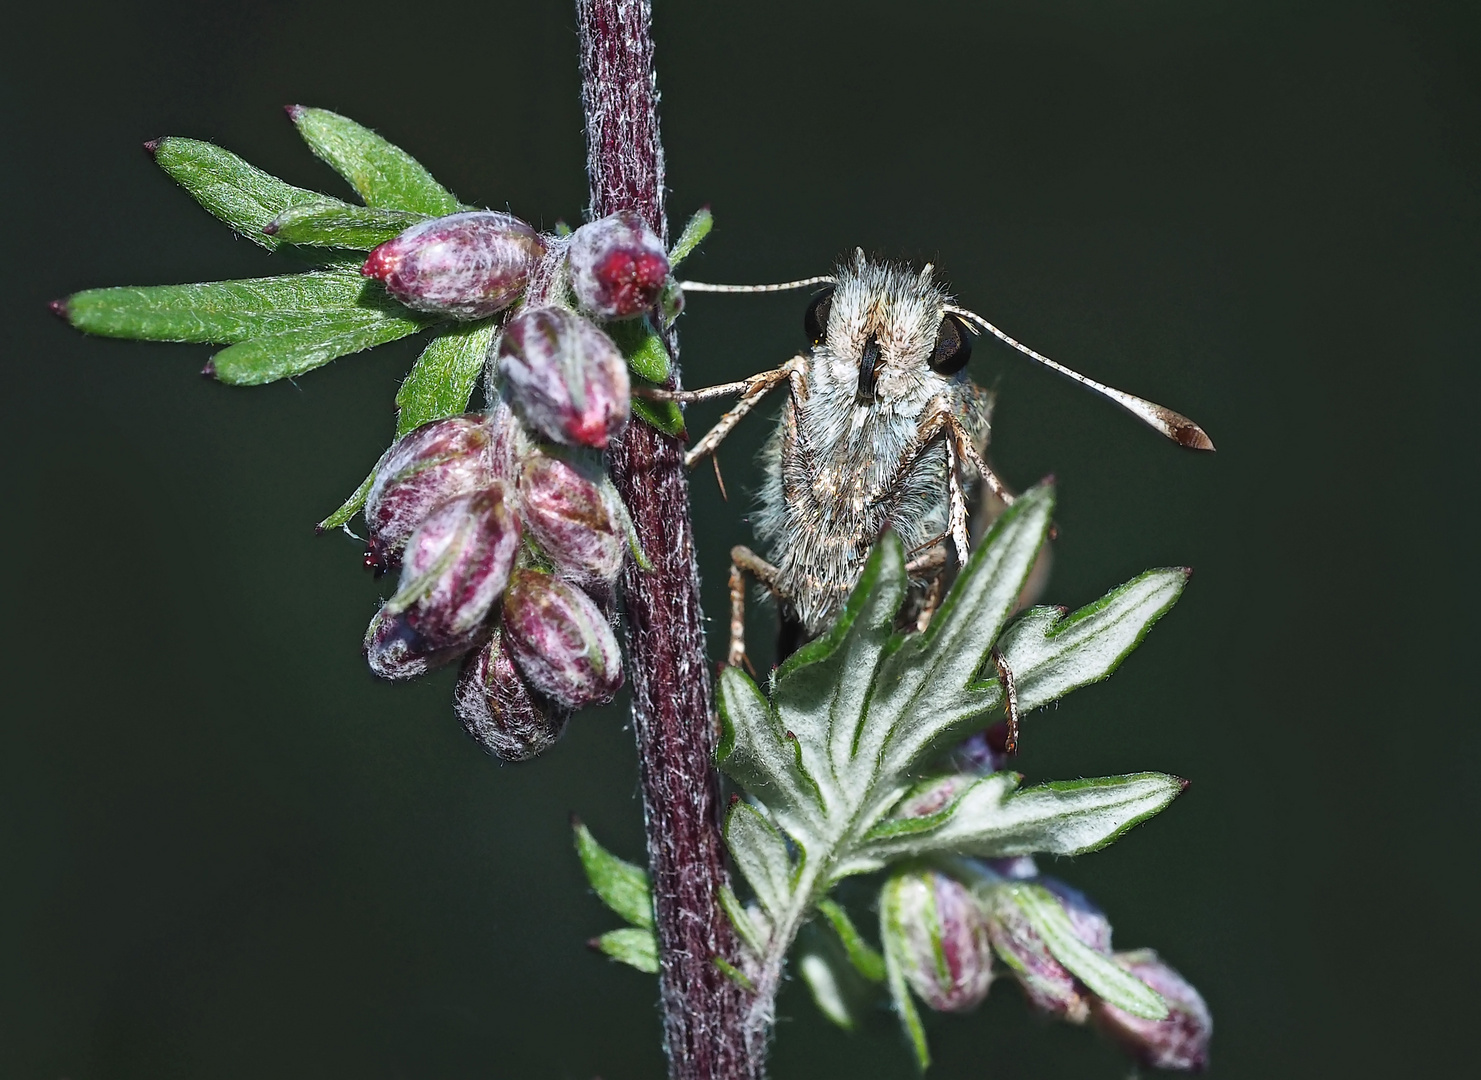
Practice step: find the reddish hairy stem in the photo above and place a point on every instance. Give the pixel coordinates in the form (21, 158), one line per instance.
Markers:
(703, 1010)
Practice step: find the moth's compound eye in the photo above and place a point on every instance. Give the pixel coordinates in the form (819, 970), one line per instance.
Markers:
(953, 347)
(815, 322)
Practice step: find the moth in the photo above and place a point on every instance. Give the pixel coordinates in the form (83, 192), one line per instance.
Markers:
(881, 429)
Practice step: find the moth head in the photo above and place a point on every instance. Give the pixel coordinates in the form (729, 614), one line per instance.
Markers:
(883, 328)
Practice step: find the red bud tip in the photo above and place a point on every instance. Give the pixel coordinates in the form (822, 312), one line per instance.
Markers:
(271, 228)
(1183, 785)
(209, 371)
(1187, 573)
(59, 308)
(294, 112)
(734, 798)
(152, 146)
(591, 431)
(381, 262)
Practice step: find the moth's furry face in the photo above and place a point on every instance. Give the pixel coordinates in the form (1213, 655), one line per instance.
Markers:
(883, 323)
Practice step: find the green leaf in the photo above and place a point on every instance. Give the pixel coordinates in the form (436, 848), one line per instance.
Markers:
(826, 987)
(622, 886)
(288, 353)
(762, 756)
(733, 973)
(644, 349)
(339, 225)
(867, 960)
(632, 946)
(1062, 818)
(223, 312)
(1050, 655)
(761, 854)
(444, 376)
(243, 196)
(900, 994)
(382, 174)
(697, 228)
(745, 927)
(350, 507)
(666, 416)
(1099, 972)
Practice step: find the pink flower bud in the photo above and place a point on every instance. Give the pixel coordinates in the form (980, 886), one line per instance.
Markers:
(618, 266)
(427, 466)
(1178, 1042)
(569, 517)
(396, 651)
(497, 708)
(456, 565)
(560, 640)
(932, 796)
(937, 931)
(566, 377)
(1049, 986)
(467, 265)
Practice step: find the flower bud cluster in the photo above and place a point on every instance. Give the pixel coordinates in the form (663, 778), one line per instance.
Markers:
(945, 923)
(508, 556)
(507, 535)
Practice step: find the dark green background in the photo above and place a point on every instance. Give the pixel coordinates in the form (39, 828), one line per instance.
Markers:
(228, 852)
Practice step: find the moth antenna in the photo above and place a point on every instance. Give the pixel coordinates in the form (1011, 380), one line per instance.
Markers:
(801, 283)
(1174, 425)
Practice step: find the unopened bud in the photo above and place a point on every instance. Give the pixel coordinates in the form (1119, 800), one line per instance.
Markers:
(561, 640)
(427, 466)
(569, 517)
(932, 796)
(456, 565)
(1178, 1042)
(567, 378)
(618, 266)
(466, 265)
(1048, 985)
(394, 650)
(498, 708)
(936, 929)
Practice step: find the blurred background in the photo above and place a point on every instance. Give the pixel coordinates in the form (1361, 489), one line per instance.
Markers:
(229, 852)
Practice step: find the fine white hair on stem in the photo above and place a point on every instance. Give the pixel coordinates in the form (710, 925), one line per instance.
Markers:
(801, 283)
(1174, 425)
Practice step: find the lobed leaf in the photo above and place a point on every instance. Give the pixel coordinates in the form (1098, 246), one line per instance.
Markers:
(1051, 654)
(621, 885)
(335, 224)
(1061, 818)
(763, 757)
(633, 946)
(223, 312)
(1099, 972)
(443, 378)
(287, 353)
(242, 195)
(761, 854)
(381, 173)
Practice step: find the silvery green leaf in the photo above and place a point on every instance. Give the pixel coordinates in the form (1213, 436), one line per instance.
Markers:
(243, 196)
(992, 820)
(1099, 972)
(761, 854)
(827, 992)
(1051, 654)
(224, 312)
(442, 380)
(866, 959)
(382, 174)
(335, 224)
(930, 688)
(631, 945)
(763, 757)
(622, 886)
(900, 994)
(752, 931)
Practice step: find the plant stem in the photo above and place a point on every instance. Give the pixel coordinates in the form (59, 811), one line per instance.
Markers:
(704, 1011)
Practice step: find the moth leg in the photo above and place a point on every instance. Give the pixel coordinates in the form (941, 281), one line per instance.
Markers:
(932, 601)
(956, 503)
(742, 561)
(965, 446)
(1010, 698)
(752, 390)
